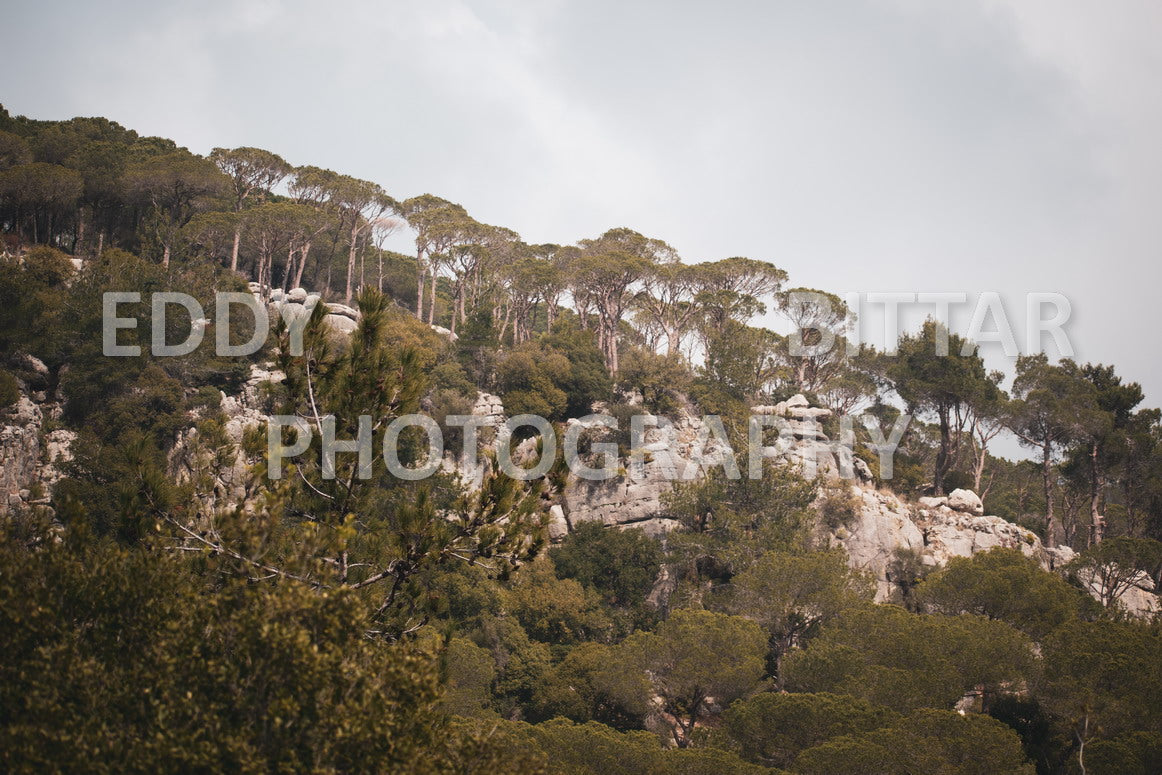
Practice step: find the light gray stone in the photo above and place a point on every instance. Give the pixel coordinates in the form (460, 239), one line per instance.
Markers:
(966, 501)
(340, 323)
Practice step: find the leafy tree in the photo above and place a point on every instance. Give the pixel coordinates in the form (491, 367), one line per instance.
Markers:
(372, 535)
(667, 301)
(595, 749)
(773, 728)
(791, 596)
(133, 673)
(941, 373)
(621, 565)
(591, 684)
(741, 364)
(1115, 565)
(734, 289)
(1136, 753)
(694, 657)
(906, 661)
(926, 741)
(818, 319)
(859, 380)
(1102, 679)
(274, 229)
(662, 380)
(174, 187)
(604, 274)
(39, 195)
(557, 376)
(360, 204)
(554, 610)
(435, 222)
(527, 387)
(32, 304)
(1103, 423)
(253, 173)
(732, 522)
(1044, 743)
(13, 150)
(1004, 584)
(468, 676)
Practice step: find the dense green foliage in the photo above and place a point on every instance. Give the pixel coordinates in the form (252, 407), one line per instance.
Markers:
(355, 623)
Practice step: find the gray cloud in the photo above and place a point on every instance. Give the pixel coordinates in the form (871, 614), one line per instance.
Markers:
(868, 145)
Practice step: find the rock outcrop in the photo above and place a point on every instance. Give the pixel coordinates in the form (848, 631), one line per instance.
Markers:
(229, 482)
(31, 457)
(885, 534)
(673, 451)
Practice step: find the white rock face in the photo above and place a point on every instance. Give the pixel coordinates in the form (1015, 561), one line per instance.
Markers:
(934, 532)
(1139, 599)
(234, 483)
(490, 408)
(19, 451)
(797, 400)
(31, 459)
(680, 450)
(882, 526)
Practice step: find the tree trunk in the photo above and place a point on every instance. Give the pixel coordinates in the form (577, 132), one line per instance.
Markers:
(942, 454)
(1096, 521)
(304, 251)
(420, 285)
(1054, 532)
(234, 249)
(351, 260)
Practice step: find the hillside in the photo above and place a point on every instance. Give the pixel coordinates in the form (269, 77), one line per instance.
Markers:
(654, 536)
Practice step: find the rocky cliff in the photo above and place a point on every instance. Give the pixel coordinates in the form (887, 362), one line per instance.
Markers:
(886, 536)
(32, 448)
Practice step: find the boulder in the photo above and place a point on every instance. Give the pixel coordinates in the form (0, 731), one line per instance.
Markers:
(965, 501)
(558, 525)
(342, 310)
(298, 295)
(33, 364)
(340, 323)
(808, 413)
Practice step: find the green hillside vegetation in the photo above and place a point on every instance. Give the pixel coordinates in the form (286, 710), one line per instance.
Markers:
(376, 624)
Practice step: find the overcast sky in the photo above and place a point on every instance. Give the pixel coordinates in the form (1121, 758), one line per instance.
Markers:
(867, 145)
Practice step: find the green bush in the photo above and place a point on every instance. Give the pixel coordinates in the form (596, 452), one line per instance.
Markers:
(9, 390)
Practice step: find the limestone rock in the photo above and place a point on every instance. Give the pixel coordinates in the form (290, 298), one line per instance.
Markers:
(809, 413)
(30, 458)
(558, 525)
(340, 323)
(342, 310)
(33, 364)
(966, 501)
(20, 429)
(489, 407)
